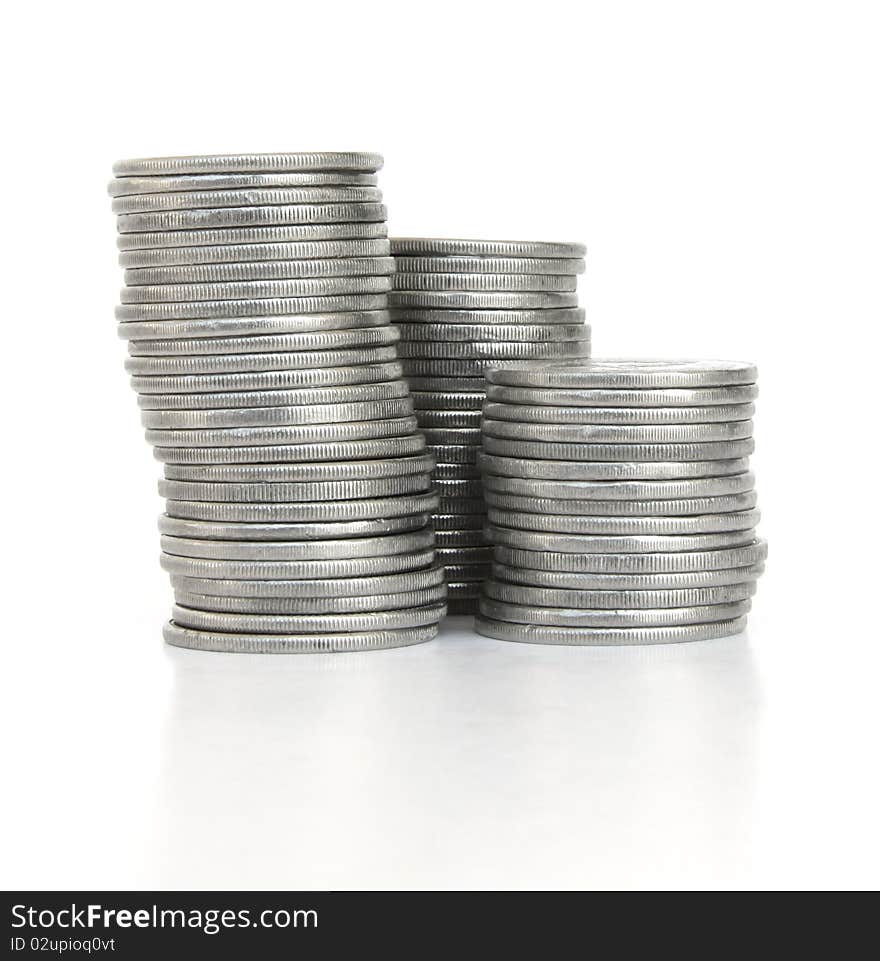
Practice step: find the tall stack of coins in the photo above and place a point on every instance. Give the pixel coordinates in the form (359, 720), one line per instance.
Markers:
(463, 306)
(620, 503)
(298, 487)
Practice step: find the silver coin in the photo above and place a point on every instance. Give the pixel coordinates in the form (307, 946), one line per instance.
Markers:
(459, 522)
(541, 450)
(449, 418)
(636, 583)
(178, 636)
(313, 605)
(484, 282)
(311, 571)
(460, 487)
(441, 370)
(460, 539)
(619, 434)
(619, 508)
(615, 398)
(630, 494)
(481, 555)
(244, 197)
(503, 333)
(169, 330)
(446, 401)
(267, 216)
(128, 186)
(617, 544)
(623, 526)
(276, 416)
(264, 307)
(288, 493)
(254, 290)
(296, 453)
(530, 317)
(455, 436)
(608, 374)
(562, 470)
(628, 564)
(628, 416)
(314, 586)
(489, 351)
(304, 512)
(256, 363)
(459, 590)
(490, 265)
(460, 505)
(356, 470)
(211, 530)
(296, 434)
(270, 380)
(454, 247)
(324, 550)
(278, 234)
(290, 623)
(466, 575)
(476, 300)
(320, 396)
(298, 251)
(561, 617)
(454, 454)
(616, 600)
(535, 634)
(247, 163)
(260, 270)
(267, 343)
(440, 385)
(454, 472)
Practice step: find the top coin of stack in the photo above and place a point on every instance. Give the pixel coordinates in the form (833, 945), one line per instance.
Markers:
(620, 502)
(463, 306)
(298, 487)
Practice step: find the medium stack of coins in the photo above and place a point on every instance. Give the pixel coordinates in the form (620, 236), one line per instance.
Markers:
(462, 306)
(620, 503)
(298, 486)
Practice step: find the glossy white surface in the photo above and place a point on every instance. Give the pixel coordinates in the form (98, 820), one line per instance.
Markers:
(466, 762)
(721, 165)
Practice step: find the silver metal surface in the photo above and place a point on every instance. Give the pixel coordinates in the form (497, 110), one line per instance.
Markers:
(630, 374)
(298, 453)
(260, 270)
(324, 643)
(268, 343)
(539, 634)
(299, 251)
(454, 247)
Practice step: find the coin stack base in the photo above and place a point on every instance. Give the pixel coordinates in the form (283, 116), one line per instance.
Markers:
(619, 502)
(463, 306)
(297, 485)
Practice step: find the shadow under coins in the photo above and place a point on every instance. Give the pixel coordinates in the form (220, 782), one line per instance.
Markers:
(465, 762)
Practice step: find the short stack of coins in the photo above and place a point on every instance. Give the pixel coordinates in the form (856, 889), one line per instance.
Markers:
(298, 486)
(620, 502)
(463, 306)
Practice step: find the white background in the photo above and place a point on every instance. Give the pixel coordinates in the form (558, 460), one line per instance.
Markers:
(721, 162)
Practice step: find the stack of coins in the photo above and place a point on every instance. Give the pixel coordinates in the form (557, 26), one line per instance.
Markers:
(463, 306)
(298, 487)
(620, 502)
